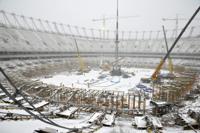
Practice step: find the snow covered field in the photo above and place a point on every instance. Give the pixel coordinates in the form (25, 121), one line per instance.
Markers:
(122, 125)
(28, 126)
(97, 79)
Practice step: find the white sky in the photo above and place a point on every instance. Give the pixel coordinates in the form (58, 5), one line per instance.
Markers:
(81, 12)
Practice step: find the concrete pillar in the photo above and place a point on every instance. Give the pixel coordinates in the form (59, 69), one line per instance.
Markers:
(144, 105)
(139, 101)
(117, 98)
(111, 101)
(122, 101)
(128, 101)
(133, 101)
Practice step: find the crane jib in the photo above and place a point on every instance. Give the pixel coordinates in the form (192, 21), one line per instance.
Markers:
(154, 75)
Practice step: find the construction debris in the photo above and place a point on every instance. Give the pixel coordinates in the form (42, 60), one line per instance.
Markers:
(109, 119)
(46, 130)
(38, 106)
(146, 122)
(96, 118)
(68, 113)
(160, 107)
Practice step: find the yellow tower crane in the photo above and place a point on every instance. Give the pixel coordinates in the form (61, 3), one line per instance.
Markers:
(82, 66)
(170, 64)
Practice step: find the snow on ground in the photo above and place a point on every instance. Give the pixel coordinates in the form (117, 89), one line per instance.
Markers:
(91, 80)
(6, 104)
(124, 125)
(28, 126)
(16, 111)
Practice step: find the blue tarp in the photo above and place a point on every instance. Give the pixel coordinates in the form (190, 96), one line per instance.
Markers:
(144, 88)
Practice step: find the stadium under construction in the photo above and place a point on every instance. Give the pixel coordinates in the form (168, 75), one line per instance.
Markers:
(60, 78)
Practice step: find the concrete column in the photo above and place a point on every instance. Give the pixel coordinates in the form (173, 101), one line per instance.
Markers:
(122, 100)
(117, 103)
(144, 105)
(133, 101)
(139, 101)
(128, 101)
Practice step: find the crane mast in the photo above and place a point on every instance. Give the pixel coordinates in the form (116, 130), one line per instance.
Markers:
(116, 71)
(117, 37)
(81, 62)
(157, 70)
(177, 19)
(170, 65)
(116, 68)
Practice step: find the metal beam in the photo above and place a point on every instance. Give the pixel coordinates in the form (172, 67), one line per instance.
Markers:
(154, 76)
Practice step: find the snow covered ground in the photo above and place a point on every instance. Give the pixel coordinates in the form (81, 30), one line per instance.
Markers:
(91, 80)
(122, 125)
(28, 126)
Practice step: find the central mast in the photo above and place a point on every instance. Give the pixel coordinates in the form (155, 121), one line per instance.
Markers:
(116, 67)
(117, 37)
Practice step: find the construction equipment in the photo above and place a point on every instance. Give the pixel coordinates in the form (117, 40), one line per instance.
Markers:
(158, 68)
(42, 117)
(114, 62)
(153, 124)
(104, 19)
(116, 71)
(111, 18)
(177, 19)
(82, 66)
(107, 66)
(116, 68)
(170, 65)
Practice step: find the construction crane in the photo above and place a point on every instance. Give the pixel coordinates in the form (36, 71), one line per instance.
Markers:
(177, 19)
(82, 66)
(104, 19)
(158, 68)
(116, 67)
(170, 65)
